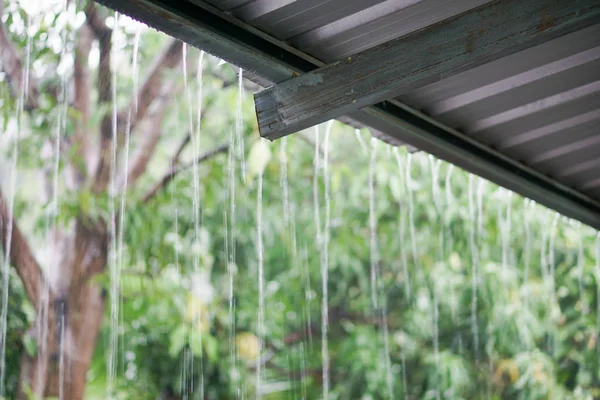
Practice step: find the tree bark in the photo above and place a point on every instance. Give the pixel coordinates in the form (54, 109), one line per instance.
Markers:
(68, 320)
(20, 255)
(70, 308)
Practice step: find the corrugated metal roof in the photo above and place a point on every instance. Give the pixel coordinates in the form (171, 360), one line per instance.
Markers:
(540, 106)
(333, 29)
(528, 121)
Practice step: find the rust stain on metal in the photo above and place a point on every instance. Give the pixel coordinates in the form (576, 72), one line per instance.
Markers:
(546, 22)
(470, 39)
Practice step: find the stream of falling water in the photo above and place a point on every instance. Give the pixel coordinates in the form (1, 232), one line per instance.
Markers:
(402, 229)
(300, 260)
(435, 189)
(377, 287)
(580, 263)
(597, 259)
(552, 284)
(449, 196)
(121, 224)
(6, 261)
(307, 294)
(543, 251)
(135, 67)
(474, 265)
(404, 261)
(239, 134)
(114, 266)
(411, 213)
(527, 252)
(183, 376)
(325, 264)
(229, 218)
(230, 242)
(261, 298)
(373, 227)
(505, 229)
(195, 142)
(125, 177)
(60, 129)
(41, 308)
(10, 207)
(317, 219)
(283, 182)
(361, 142)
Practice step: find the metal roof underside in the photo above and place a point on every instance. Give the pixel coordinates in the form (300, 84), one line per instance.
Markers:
(528, 121)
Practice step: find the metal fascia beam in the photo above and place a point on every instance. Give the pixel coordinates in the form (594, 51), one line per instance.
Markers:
(205, 27)
(489, 32)
(215, 32)
(397, 120)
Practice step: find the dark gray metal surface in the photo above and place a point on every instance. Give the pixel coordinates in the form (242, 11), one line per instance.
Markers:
(474, 38)
(540, 106)
(447, 135)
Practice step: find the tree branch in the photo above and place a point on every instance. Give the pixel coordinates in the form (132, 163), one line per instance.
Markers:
(21, 256)
(169, 58)
(81, 102)
(104, 85)
(13, 67)
(153, 131)
(94, 20)
(186, 140)
(174, 170)
(152, 90)
(152, 100)
(336, 315)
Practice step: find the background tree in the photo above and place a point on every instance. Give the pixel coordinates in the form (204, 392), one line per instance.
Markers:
(479, 293)
(92, 126)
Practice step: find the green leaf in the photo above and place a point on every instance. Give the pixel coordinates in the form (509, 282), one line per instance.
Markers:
(258, 159)
(30, 344)
(177, 340)
(211, 346)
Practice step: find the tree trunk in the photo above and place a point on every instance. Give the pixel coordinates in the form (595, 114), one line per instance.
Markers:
(70, 308)
(68, 320)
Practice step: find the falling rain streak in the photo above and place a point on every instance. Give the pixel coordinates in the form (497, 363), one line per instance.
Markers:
(597, 261)
(9, 204)
(373, 228)
(402, 229)
(435, 190)
(377, 286)
(324, 252)
(113, 264)
(410, 184)
(261, 295)
(474, 266)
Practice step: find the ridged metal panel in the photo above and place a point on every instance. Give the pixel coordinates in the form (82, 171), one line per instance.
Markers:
(540, 106)
(332, 29)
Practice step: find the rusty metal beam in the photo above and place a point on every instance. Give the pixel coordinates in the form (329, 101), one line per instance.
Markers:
(484, 34)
